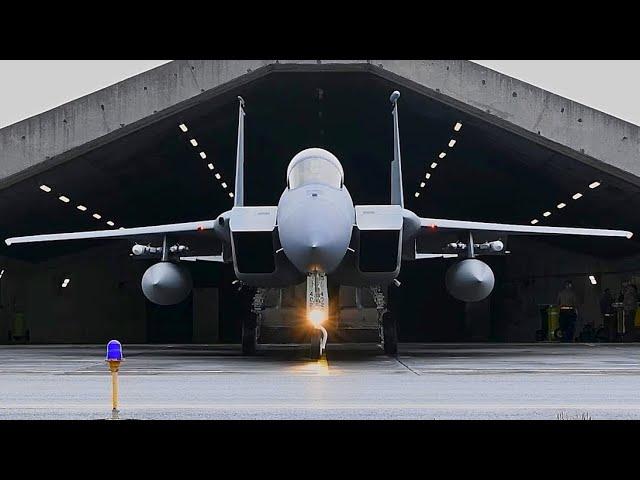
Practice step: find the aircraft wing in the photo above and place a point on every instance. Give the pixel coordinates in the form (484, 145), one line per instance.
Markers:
(430, 225)
(139, 234)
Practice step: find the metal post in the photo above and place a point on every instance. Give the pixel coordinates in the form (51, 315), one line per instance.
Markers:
(114, 366)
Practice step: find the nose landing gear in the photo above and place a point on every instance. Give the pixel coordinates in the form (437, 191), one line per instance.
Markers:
(317, 312)
(318, 342)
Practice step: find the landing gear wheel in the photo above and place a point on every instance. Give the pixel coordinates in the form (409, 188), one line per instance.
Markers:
(390, 332)
(557, 333)
(316, 344)
(250, 335)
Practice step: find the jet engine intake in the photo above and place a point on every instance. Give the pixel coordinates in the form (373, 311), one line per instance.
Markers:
(470, 280)
(166, 283)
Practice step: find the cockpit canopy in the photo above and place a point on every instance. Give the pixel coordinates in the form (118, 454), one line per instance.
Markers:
(315, 165)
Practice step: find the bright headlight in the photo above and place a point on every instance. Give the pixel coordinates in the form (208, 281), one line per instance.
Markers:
(316, 317)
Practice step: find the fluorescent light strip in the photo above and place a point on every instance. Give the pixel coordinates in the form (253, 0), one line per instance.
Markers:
(183, 127)
(457, 127)
(594, 185)
(452, 142)
(203, 155)
(82, 208)
(210, 166)
(217, 175)
(65, 282)
(97, 216)
(434, 165)
(442, 155)
(422, 184)
(577, 196)
(64, 199)
(593, 280)
(427, 176)
(546, 214)
(194, 142)
(45, 188)
(534, 221)
(231, 194)
(417, 194)
(111, 224)
(224, 185)
(561, 205)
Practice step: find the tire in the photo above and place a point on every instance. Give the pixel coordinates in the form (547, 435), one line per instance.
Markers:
(390, 332)
(316, 344)
(250, 336)
(557, 333)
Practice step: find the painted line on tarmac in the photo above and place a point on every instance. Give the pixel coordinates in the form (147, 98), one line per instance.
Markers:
(407, 366)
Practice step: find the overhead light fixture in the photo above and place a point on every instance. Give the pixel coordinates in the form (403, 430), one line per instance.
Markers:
(63, 199)
(561, 205)
(427, 176)
(594, 185)
(217, 176)
(194, 142)
(65, 282)
(593, 280)
(422, 184)
(452, 142)
(417, 194)
(534, 221)
(82, 208)
(111, 224)
(442, 155)
(457, 127)
(577, 196)
(203, 155)
(434, 165)
(546, 214)
(1, 273)
(183, 127)
(97, 216)
(231, 194)
(630, 234)
(224, 185)
(210, 166)
(45, 188)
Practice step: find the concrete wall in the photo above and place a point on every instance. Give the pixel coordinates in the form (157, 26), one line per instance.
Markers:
(584, 131)
(66, 131)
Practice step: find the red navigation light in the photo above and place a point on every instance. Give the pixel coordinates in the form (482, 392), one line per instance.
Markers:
(433, 226)
(200, 228)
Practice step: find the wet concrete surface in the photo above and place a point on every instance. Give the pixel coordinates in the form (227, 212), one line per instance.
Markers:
(426, 381)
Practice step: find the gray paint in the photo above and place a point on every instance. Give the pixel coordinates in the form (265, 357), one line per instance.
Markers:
(470, 280)
(166, 283)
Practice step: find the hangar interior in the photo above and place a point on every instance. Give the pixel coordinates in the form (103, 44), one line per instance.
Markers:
(150, 173)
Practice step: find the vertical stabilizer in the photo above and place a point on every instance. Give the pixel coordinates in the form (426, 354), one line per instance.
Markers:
(397, 196)
(238, 199)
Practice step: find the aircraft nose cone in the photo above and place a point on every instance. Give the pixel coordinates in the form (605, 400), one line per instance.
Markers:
(314, 238)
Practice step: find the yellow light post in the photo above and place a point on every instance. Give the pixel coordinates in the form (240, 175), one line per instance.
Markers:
(114, 357)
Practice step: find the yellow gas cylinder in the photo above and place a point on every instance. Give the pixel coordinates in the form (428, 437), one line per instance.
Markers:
(553, 321)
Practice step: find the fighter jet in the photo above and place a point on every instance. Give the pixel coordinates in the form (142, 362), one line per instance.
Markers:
(317, 234)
